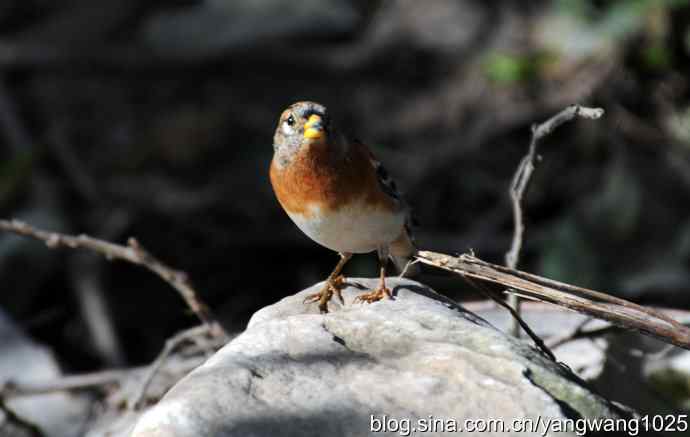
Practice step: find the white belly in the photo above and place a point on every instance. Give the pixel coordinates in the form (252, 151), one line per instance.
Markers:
(354, 228)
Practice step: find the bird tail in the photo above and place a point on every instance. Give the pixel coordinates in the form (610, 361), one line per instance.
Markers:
(402, 252)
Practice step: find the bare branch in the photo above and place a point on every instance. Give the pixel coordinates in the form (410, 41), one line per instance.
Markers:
(579, 332)
(133, 253)
(526, 168)
(170, 345)
(600, 305)
(141, 376)
(64, 383)
(522, 177)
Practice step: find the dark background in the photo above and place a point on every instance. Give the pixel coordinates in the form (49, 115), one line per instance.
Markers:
(155, 119)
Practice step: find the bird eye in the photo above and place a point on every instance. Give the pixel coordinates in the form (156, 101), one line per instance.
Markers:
(291, 120)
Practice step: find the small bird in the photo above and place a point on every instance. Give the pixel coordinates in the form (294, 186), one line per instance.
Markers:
(338, 194)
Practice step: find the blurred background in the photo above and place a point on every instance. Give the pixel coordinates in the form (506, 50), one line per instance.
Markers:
(155, 119)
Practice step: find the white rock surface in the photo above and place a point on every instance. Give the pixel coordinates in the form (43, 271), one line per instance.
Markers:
(295, 372)
(636, 370)
(24, 361)
(585, 357)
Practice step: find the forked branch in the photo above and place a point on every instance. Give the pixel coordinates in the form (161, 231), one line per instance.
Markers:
(521, 180)
(525, 169)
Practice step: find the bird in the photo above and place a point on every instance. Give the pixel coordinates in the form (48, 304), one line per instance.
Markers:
(340, 196)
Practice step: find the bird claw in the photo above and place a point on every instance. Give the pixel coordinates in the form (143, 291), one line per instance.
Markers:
(312, 298)
(374, 295)
(336, 286)
(322, 297)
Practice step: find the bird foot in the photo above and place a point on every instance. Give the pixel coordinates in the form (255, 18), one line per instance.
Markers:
(331, 287)
(374, 295)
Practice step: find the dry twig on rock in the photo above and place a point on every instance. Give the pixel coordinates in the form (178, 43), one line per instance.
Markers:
(600, 305)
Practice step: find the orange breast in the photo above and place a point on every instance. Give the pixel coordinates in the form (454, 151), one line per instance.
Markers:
(316, 177)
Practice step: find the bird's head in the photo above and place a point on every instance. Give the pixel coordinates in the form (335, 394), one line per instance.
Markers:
(302, 124)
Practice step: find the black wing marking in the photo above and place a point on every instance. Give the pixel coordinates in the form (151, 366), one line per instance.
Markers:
(389, 187)
(385, 182)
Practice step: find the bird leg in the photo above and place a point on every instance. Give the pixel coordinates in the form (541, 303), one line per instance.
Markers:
(381, 291)
(333, 284)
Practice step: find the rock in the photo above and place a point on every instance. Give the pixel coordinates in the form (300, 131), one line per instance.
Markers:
(639, 371)
(586, 357)
(23, 361)
(670, 379)
(297, 372)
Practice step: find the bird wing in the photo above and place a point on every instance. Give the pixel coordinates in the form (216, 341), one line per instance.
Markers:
(390, 188)
(386, 183)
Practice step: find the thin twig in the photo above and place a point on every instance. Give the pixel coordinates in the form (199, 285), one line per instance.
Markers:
(170, 345)
(600, 305)
(85, 272)
(133, 253)
(521, 180)
(12, 418)
(662, 353)
(65, 383)
(99, 379)
(580, 333)
(497, 298)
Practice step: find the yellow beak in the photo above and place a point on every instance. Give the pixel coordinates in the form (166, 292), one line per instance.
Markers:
(313, 128)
